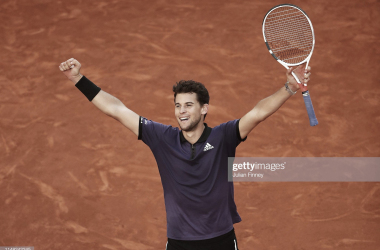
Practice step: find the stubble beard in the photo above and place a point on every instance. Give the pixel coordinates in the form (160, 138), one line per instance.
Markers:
(191, 126)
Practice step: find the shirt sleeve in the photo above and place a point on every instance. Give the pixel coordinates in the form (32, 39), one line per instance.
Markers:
(150, 132)
(232, 132)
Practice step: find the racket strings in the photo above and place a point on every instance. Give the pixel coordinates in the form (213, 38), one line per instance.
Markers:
(288, 34)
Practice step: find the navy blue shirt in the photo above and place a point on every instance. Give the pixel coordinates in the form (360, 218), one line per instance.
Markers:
(199, 200)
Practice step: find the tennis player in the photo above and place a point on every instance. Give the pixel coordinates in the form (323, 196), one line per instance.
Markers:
(193, 159)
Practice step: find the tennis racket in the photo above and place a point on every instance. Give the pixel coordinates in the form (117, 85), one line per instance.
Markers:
(289, 36)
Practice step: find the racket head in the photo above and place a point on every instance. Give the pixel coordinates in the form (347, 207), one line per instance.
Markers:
(288, 34)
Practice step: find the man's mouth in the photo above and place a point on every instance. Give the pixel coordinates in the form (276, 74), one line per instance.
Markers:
(184, 119)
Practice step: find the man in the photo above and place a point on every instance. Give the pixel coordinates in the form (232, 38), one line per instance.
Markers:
(193, 161)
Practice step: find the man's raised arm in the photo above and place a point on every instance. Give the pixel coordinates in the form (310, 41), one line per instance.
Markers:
(271, 104)
(107, 103)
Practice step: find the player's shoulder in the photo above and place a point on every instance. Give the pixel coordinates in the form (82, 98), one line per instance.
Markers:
(230, 129)
(228, 124)
(144, 122)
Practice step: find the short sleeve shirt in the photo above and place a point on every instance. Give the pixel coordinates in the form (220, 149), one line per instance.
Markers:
(199, 200)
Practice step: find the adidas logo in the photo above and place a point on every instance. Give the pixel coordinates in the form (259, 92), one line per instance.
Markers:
(208, 147)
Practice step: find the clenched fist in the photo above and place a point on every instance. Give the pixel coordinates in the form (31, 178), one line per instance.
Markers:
(70, 69)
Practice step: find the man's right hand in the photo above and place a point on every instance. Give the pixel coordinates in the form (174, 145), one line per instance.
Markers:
(70, 69)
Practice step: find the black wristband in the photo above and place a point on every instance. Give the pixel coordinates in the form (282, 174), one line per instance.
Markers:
(88, 88)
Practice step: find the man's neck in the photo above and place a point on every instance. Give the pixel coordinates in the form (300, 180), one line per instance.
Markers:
(194, 135)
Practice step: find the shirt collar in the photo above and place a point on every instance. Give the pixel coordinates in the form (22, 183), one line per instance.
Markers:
(204, 136)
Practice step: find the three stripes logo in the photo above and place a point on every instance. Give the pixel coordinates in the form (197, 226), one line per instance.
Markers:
(208, 147)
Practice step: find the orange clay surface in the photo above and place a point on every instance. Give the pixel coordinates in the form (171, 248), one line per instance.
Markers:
(73, 178)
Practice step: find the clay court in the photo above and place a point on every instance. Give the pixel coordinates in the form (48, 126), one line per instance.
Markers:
(73, 178)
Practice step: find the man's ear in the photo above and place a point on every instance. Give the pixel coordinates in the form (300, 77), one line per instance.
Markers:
(204, 109)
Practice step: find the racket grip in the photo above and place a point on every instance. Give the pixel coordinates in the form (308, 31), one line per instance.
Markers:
(309, 107)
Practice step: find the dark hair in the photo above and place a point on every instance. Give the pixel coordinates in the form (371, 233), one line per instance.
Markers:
(191, 86)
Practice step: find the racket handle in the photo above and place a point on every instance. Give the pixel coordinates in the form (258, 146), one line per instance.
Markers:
(309, 107)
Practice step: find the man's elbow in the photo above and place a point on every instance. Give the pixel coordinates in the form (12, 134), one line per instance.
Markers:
(117, 111)
(114, 109)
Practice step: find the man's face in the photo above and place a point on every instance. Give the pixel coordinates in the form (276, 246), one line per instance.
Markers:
(188, 111)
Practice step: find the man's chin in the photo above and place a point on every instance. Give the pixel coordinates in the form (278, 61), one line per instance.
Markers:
(190, 127)
(187, 128)
(184, 128)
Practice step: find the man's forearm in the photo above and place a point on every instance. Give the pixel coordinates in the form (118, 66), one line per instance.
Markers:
(271, 104)
(107, 103)
(262, 110)
(112, 107)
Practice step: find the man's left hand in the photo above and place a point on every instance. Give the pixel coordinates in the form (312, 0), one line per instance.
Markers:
(303, 75)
